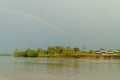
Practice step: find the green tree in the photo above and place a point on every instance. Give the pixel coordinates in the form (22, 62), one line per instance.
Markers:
(91, 52)
(67, 50)
(31, 53)
(41, 51)
(54, 50)
(76, 50)
(18, 53)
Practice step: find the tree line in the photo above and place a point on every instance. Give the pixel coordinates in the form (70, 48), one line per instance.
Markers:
(52, 51)
(60, 51)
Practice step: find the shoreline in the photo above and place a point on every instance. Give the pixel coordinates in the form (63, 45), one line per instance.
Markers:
(89, 56)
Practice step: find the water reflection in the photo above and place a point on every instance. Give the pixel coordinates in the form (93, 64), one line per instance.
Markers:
(59, 68)
(47, 65)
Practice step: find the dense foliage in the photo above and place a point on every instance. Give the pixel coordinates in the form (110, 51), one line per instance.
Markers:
(55, 51)
(60, 51)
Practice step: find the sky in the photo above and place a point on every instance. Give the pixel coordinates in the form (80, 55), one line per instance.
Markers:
(42, 23)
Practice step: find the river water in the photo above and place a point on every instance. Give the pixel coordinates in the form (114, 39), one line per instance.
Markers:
(12, 68)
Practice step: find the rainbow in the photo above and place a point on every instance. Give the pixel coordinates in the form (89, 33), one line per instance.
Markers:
(33, 17)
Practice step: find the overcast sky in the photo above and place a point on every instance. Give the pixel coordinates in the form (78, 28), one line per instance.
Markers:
(42, 23)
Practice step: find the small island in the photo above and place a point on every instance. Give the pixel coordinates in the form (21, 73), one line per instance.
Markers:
(68, 52)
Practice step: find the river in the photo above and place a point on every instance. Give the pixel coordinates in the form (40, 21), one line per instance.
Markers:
(15, 68)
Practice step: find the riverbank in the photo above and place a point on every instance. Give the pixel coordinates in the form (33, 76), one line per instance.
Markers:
(66, 52)
(101, 56)
(90, 56)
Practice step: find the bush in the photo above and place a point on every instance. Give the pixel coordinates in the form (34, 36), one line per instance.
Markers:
(30, 53)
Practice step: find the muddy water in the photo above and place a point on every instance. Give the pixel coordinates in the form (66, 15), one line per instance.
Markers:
(58, 69)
